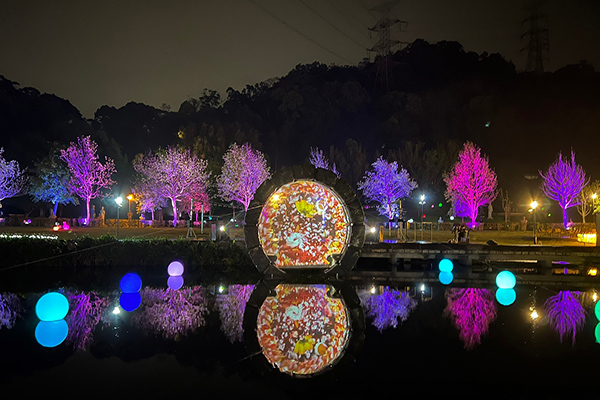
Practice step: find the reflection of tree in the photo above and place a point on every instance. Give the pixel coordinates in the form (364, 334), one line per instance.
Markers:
(231, 310)
(565, 312)
(171, 313)
(389, 307)
(11, 308)
(472, 311)
(85, 313)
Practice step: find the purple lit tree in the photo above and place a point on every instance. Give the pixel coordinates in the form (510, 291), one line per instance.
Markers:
(565, 313)
(231, 308)
(389, 307)
(471, 182)
(171, 313)
(386, 185)
(564, 182)
(472, 311)
(11, 308)
(244, 170)
(12, 178)
(318, 159)
(85, 312)
(89, 177)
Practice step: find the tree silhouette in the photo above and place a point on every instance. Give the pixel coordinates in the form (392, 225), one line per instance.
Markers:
(318, 159)
(12, 178)
(389, 307)
(565, 313)
(472, 311)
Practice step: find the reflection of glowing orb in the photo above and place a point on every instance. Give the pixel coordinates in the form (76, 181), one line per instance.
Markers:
(597, 310)
(506, 296)
(303, 223)
(301, 329)
(597, 333)
(51, 333)
(175, 282)
(52, 307)
(175, 268)
(506, 280)
(130, 301)
(446, 265)
(130, 283)
(446, 277)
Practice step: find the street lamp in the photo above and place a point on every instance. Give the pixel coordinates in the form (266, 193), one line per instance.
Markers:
(119, 201)
(422, 203)
(534, 205)
(129, 198)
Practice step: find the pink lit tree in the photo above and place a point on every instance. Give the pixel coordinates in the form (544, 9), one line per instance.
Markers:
(472, 311)
(318, 159)
(85, 312)
(565, 313)
(564, 182)
(471, 183)
(231, 308)
(244, 170)
(389, 307)
(89, 177)
(386, 185)
(11, 308)
(12, 178)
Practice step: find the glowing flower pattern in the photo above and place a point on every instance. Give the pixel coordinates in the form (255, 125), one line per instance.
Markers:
(303, 223)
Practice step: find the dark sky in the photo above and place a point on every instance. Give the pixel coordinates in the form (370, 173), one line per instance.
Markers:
(96, 53)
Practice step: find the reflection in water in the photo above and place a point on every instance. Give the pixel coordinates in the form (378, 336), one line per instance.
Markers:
(388, 307)
(231, 308)
(471, 310)
(11, 308)
(565, 313)
(85, 312)
(301, 329)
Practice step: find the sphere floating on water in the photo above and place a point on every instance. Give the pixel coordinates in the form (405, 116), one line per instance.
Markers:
(506, 296)
(175, 282)
(175, 268)
(130, 301)
(51, 333)
(597, 333)
(446, 277)
(506, 280)
(52, 306)
(446, 265)
(130, 283)
(597, 310)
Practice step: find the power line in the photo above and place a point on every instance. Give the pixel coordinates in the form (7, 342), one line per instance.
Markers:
(358, 24)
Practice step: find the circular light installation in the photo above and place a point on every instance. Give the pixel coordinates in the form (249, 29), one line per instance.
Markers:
(506, 296)
(51, 333)
(506, 280)
(175, 282)
(175, 268)
(130, 283)
(303, 223)
(445, 265)
(301, 329)
(52, 306)
(446, 277)
(130, 301)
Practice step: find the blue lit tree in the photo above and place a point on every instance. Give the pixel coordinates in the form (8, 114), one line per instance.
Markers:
(565, 313)
(388, 308)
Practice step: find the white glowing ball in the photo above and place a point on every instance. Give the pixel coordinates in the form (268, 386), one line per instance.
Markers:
(175, 268)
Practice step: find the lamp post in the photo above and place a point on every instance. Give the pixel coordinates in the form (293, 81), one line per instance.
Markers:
(534, 205)
(119, 201)
(129, 214)
(422, 203)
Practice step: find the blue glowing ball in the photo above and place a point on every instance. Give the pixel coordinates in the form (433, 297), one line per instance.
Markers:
(506, 280)
(175, 282)
(597, 310)
(506, 296)
(175, 268)
(130, 283)
(51, 333)
(130, 301)
(446, 277)
(52, 306)
(446, 265)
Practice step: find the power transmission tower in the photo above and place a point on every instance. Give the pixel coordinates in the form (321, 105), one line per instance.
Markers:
(538, 46)
(384, 44)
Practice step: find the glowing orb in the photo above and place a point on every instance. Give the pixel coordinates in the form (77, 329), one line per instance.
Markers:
(597, 310)
(506, 280)
(175, 268)
(130, 283)
(446, 265)
(52, 307)
(51, 333)
(506, 296)
(130, 301)
(446, 277)
(175, 282)
(597, 333)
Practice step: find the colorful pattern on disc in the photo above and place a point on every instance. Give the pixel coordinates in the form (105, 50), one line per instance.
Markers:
(303, 223)
(302, 330)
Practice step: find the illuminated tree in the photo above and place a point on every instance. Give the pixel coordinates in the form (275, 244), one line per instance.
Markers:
(89, 177)
(231, 308)
(565, 313)
(318, 159)
(11, 308)
(389, 307)
(386, 185)
(472, 311)
(564, 182)
(12, 178)
(470, 182)
(85, 312)
(243, 171)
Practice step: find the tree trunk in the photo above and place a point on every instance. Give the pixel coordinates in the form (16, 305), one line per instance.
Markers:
(87, 205)
(565, 221)
(174, 202)
(55, 209)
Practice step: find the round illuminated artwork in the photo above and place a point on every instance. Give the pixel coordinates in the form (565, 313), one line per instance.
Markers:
(175, 268)
(301, 329)
(446, 277)
(130, 301)
(175, 282)
(52, 307)
(51, 333)
(303, 223)
(130, 283)
(506, 296)
(506, 280)
(446, 265)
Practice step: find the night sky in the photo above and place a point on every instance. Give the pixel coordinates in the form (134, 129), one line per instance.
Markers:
(96, 53)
